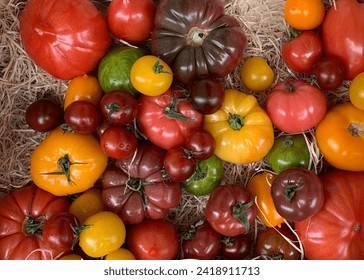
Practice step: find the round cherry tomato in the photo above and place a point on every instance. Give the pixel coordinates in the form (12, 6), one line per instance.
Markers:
(295, 106)
(84, 87)
(153, 240)
(132, 21)
(120, 254)
(237, 247)
(179, 164)
(302, 51)
(256, 74)
(150, 75)
(201, 143)
(303, 14)
(71, 257)
(83, 116)
(207, 95)
(356, 91)
(230, 210)
(119, 107)
(118, 142)
(104, 233)
(297, 193)
(43, 115)
(201, 242)
(328, 72)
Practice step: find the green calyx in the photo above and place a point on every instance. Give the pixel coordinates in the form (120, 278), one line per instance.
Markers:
(236, 121)
(239, 212)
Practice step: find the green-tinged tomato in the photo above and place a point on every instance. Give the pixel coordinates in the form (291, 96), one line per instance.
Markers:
(289, 151)
(207, 177)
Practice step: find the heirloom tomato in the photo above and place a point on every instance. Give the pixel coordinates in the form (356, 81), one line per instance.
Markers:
(237, 247)
(153, 240)
(201, 144)
(295, 106)
(197, 39)
(356, 91)
(336, 232)
(297, 193)
(260, 185)
(65, 38)
(342, 35)
(242, 129)
(256, 74)
(230, 210)
(179, 164)
(66, 163)
(23, 214)
(136, 187)
(289, 150)
(168, 119)
(340, 137)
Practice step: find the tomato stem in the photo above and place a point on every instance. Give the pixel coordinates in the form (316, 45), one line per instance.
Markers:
(236, 121)
(34, 226)
(288, 142)
(158, 68)
(356, 130)
(290, 190)
(112, 107)
(290, 87)
(239, 212)
(172, 113)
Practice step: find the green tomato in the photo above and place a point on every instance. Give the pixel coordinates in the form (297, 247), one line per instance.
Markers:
(207, 177)
(289, 151)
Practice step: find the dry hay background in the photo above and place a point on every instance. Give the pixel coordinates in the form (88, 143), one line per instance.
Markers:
(21, 83)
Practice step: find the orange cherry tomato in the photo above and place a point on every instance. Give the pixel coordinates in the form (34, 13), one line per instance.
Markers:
(120, 254)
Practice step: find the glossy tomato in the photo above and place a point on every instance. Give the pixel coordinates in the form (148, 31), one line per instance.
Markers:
(179, 164)
(201, 144)
(23, 214)
(297, 193)
(237, 247)
(132, 21)
(296, 106)
(201, 242)
(356, 91)
(302, 51)
(153, 240)
(336, 231)
(256, 74)
(65, 38)
(120, 254)
(168, 119)
(230, 210)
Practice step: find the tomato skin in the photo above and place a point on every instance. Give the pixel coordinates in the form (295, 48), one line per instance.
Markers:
(356, 91)
(132, 21)
(120, 254)
(21, 207)
(201, 144)
(153, 240)
(236, 248)
(74, 36)
(256, 74)
(178, 164)
(302, 51)
(295, 106)
(340, 216)
(230, 210)
(340, 137)
(297, 193)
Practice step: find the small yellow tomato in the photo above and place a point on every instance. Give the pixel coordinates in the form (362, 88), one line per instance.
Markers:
(151, 76)
(120, 254)
(87, 204)
(256, 74)
(71, 257)
(104, 233)
(356, 91)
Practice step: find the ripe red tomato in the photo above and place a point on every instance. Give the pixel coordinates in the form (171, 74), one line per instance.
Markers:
(132, 21)
(237, 247)
(66, 38)
(153, 240)
(336, 231)
(296, 106)
(201, 143)
(23, 213)
(179, 164)
(302, 51)
(168, 119)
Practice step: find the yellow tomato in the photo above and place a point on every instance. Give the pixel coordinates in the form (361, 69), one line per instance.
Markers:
(242, 130)
(87, 204)
(151, 76)
(104, 233)
(304, 14)
(71, 257)
(356, 91)
(256, 74)
(120, 254)
(66, 163)
(84, 87)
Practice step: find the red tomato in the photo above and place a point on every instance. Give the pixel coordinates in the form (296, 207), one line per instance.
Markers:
(22, 215)
(295, 106)
(179, 164)
(201, 143)
(302, 51)
(230, 210)
(130, 20)
(336, 232)
(153, 240)
(168, 119)
(343, 36)
(66, 38)
(236, 248)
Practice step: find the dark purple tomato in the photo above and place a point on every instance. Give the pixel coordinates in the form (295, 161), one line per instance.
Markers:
(82, 116)
(328, 72)
(44, 115)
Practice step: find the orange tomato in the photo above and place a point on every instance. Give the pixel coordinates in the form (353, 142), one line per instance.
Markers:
(304, 14)
(71, 257)
(84, 87)
(120, 254)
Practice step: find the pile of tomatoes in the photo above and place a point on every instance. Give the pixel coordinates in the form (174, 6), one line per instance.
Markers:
(145, 121)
